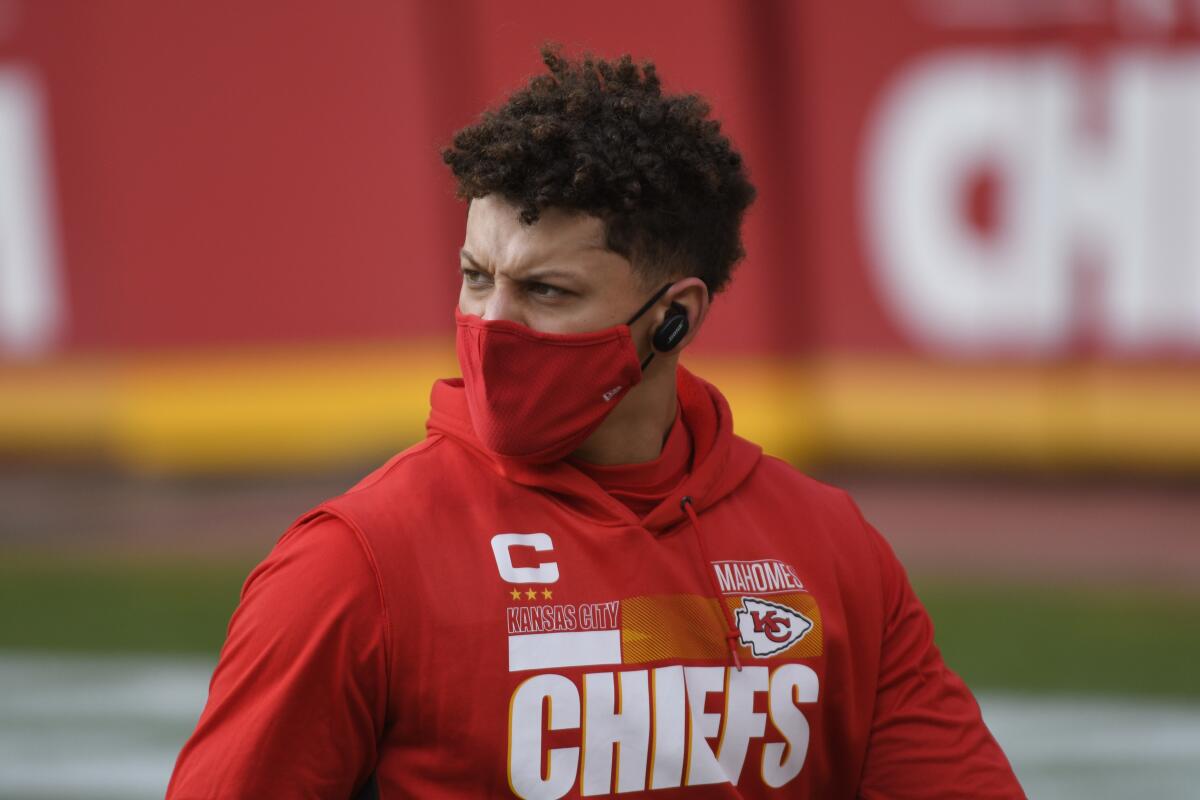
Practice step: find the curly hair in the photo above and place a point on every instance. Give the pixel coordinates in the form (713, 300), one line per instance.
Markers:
(600, 137)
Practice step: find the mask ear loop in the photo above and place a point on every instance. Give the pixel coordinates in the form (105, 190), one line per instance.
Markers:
(657, 296)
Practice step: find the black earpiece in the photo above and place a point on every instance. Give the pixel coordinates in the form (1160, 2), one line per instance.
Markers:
(672, 330)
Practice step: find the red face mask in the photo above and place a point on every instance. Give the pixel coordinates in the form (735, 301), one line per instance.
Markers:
(536, 397)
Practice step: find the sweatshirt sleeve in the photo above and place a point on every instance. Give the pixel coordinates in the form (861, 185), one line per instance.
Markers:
(298, 699)
(928, 739)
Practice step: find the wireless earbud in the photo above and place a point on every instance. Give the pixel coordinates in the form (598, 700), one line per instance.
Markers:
(672, 330)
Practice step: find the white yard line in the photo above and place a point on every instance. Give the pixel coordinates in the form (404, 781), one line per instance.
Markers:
(1099, 748)
(91, 728)
(95, 727)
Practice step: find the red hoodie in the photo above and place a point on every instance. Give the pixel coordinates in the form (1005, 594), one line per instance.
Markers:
(457, 626)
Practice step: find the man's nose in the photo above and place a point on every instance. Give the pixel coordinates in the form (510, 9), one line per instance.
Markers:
(502, 305)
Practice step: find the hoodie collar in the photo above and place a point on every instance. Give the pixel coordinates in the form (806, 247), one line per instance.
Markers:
(721, 460)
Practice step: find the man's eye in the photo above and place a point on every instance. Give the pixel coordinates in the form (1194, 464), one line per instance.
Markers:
(474, 277)
(546, 290)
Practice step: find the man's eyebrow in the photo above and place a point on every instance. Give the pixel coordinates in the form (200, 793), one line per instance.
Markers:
(532, 275)
(536, 274)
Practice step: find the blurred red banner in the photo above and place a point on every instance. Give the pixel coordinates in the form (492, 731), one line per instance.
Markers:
(940, 179)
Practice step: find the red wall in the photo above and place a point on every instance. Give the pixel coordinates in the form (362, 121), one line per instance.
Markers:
(226, 173)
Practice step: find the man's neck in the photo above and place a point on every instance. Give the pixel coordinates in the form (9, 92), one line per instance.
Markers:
(636, 429)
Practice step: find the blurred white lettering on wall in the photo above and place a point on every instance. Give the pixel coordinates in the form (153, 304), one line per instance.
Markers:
(1136, 17)
(1018, 204)
(31, 313)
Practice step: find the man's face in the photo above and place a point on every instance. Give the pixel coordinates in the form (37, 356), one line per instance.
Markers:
(554, 276)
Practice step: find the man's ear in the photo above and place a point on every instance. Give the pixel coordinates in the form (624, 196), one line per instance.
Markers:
(691, 294)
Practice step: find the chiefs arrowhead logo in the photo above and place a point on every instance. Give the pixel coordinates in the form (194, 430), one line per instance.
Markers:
(768, 628)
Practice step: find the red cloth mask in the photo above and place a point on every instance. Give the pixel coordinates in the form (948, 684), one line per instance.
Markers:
(536, 397)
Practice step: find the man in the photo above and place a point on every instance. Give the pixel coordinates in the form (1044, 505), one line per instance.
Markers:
(582, 582)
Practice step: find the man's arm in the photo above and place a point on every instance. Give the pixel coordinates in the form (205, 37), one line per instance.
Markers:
(298, 699)
(928, 739)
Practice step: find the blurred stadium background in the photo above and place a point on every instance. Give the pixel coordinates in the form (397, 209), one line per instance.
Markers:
(972, 297)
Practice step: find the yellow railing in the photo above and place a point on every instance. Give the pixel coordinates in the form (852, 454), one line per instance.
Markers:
(303, 408)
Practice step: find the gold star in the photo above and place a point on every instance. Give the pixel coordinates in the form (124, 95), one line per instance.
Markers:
(530, 595)
(547, 594)
(515, 594)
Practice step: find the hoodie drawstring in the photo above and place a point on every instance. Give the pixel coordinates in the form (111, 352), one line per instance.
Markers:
(731, 633)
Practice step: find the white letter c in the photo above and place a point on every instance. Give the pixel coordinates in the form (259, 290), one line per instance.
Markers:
(542, 573)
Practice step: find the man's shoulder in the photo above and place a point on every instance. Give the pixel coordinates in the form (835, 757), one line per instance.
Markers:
(409, 481)
(828, 515)
(424, 461)
(779, 474)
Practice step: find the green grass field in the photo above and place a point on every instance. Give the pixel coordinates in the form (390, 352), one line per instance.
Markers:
(1070, 640)
(1035, 638)
(100, 605)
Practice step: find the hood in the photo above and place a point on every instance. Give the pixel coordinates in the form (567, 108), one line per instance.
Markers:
(721, 461)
